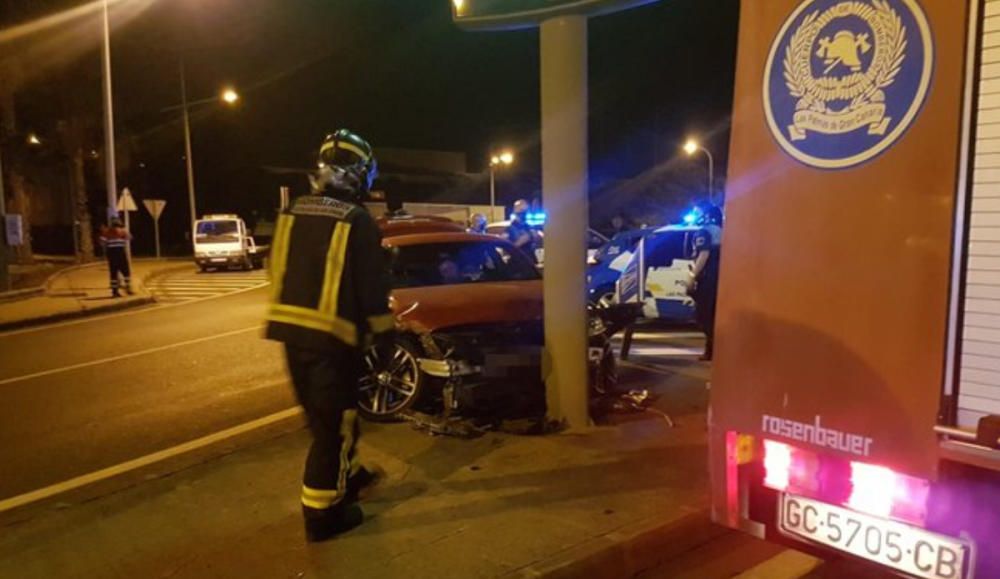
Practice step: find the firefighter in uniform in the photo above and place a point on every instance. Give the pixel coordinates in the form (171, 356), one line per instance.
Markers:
(115, 240)
(330, 302)
(704, 286)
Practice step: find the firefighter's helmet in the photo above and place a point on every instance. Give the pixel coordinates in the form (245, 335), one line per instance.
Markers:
(347, 166)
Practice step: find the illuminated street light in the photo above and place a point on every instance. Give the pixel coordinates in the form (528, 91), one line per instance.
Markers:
(502, 159)
(691, 147)
(33, 140)
(228, 96)
(459, 5)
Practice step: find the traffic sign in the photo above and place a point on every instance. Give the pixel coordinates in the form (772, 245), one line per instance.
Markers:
(154, 206)
(14, 229)
(126, 202)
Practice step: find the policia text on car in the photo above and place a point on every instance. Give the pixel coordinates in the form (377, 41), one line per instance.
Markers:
(330, 302)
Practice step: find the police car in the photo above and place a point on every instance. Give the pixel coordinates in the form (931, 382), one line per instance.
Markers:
(656, 273)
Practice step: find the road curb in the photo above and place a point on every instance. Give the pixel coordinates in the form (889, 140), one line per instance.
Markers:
(47, 284)
(76, 314)
(14, 295)
(627, 551)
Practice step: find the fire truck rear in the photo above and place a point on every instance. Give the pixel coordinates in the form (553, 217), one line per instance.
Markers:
(855, 398)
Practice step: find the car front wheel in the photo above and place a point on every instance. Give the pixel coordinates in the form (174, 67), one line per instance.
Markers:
(392, 386)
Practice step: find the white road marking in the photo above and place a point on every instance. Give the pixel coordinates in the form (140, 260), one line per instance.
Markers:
(667, 334)
(672, 372)
(149, 459)
(665, 351)
(192, 285)
(127, 356)
(788, 564)
(100, 318)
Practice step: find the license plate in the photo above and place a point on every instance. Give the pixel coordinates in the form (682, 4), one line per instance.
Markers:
(902, 547)
(218, 259)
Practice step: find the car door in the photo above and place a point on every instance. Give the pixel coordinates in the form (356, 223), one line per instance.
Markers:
(669, 262)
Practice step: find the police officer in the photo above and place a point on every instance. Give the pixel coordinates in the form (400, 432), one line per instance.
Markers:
(519, 233)
(115, 240)
(330, 302)
(704, 286)
(477, 223)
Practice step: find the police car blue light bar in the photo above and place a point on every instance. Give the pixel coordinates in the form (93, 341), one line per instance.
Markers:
(536, 219)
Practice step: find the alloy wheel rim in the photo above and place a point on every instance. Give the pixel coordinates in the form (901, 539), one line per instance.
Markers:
(387, 391)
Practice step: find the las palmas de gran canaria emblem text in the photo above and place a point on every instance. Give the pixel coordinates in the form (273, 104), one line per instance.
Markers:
(846, 78)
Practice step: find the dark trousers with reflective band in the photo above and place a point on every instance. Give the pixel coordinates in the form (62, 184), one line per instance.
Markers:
(704, 299)
(326, 384)
(118, 267)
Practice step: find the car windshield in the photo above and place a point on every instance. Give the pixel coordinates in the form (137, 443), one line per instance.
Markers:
(437, 264)
(595, 240)
(218, 231)
(617, 246)
(663, 248)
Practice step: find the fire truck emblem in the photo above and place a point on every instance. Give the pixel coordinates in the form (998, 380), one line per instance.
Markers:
(846, 78)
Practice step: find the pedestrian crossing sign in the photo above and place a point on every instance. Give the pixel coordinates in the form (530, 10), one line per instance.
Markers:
(126, 202)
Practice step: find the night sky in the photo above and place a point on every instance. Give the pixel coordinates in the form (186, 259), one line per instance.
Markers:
(402, 74)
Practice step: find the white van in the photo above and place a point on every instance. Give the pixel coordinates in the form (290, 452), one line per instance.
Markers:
(223, 242)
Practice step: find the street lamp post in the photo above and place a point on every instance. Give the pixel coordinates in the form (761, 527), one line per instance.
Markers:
(4, 269)
(230, 97)
(504, 159)
(691, 147)
(187, 150)
(109, 120)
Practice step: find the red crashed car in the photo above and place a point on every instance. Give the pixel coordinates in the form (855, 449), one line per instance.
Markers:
(469, 309)
(413, 224)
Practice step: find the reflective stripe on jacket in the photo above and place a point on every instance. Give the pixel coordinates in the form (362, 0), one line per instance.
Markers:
(330, 283)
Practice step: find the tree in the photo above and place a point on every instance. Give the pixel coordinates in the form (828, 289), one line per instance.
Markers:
(13, 153)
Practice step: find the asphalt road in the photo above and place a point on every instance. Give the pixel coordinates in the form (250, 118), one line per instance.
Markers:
(82, 396)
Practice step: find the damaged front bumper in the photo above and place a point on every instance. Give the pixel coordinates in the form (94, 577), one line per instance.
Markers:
(448, 369)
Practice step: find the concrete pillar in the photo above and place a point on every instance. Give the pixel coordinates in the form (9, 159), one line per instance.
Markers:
(564, 186)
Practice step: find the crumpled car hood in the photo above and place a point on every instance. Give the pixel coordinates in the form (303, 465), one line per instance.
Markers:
(439, 307)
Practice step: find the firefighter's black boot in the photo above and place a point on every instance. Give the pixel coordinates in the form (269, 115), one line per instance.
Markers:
(323, 525)
(361, 484)
(115, 293)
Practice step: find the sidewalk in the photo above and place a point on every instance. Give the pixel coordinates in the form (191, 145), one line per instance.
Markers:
(80, 291)
(605, 503)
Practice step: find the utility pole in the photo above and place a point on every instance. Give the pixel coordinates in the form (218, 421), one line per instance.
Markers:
(187, 150)
(4, 250)
(109, 120)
